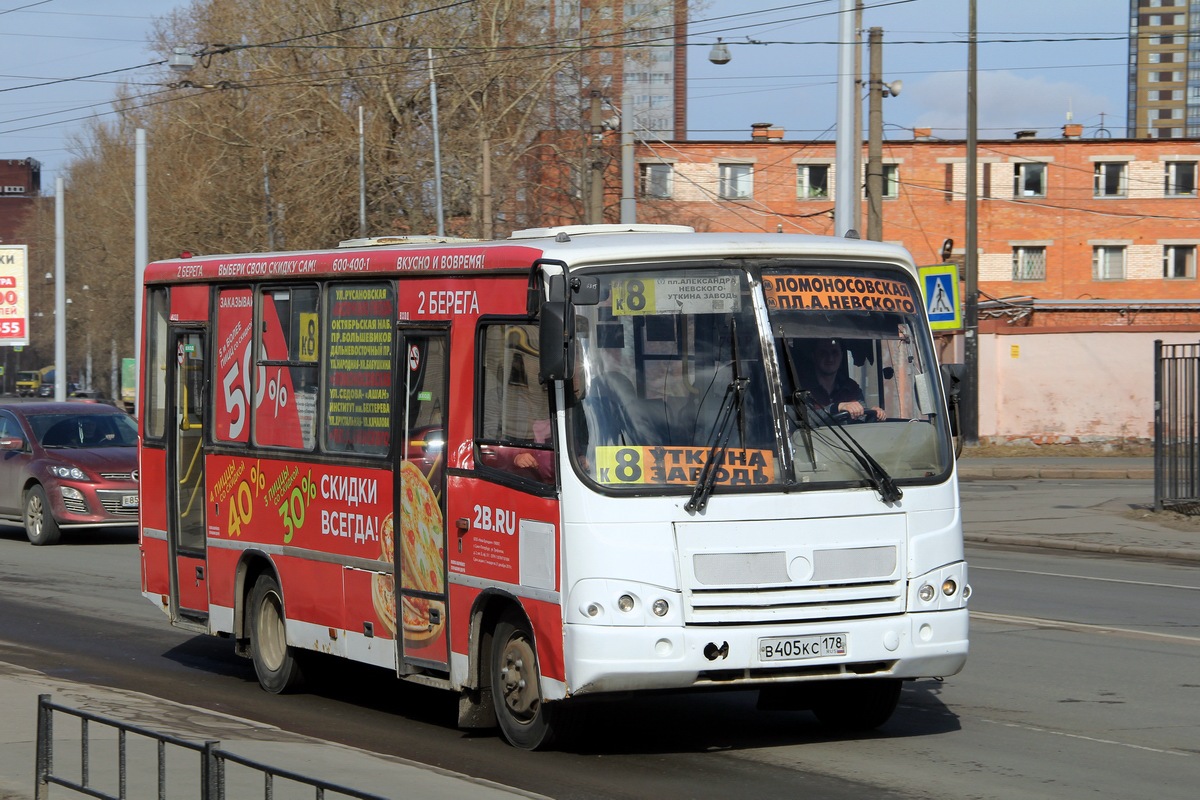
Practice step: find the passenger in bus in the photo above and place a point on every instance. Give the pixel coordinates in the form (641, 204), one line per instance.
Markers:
(514, 413)
(831, 387)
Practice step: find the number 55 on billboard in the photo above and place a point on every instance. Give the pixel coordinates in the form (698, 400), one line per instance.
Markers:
(14, 295)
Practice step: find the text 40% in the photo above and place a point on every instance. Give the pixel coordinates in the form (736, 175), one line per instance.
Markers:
(241, 510)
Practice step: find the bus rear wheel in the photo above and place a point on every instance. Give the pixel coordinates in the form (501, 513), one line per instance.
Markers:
(525, 721)
(275, 663)
(856, 706)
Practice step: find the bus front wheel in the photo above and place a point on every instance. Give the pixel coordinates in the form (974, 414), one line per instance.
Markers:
(274, 662)
(525, 721)
(857, 705)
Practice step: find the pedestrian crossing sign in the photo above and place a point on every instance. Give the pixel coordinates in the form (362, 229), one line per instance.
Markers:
(943, 303)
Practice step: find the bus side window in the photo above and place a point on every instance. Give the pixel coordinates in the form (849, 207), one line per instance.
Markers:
(514, 433)
(285, 385)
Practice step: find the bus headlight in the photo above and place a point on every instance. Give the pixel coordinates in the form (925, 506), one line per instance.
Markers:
(602, 601)
(941, 589)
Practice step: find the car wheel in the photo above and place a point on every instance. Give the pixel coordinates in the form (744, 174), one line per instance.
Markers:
(40, 526)
(275, 663)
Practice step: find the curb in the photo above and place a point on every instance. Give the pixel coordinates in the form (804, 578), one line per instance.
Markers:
(1167, 553)
(970, 473)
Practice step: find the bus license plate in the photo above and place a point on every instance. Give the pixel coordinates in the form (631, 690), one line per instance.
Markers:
(793, 648)
(129, 501)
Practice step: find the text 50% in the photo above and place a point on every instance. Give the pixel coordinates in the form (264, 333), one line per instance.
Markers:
(277, 393)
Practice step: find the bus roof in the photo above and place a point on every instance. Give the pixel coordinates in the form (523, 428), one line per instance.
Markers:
(576, 245)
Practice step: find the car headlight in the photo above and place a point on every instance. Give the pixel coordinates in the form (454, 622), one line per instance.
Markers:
(73, 473)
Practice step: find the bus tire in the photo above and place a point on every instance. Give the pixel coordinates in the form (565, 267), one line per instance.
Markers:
(275, 663)
(855, 706)
(525, 721)
(40, 525)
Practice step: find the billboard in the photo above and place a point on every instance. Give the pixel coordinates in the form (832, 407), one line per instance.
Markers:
(14, 294)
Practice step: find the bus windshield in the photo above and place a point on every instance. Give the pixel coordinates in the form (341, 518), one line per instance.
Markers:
(671, 371)
(655, 363)
(857, 374)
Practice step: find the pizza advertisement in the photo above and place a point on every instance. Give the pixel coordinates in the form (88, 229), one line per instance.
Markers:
(420, 552)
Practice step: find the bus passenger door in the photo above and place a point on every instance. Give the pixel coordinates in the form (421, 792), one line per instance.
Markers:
(421, 392)
(185, 476)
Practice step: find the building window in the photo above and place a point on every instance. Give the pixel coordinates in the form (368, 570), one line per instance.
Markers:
(1110, 179)
(812, 181)
(891, 181)
(1179, 261)
(1029, 263)
(1108, 262)
(657, 181)
(1029, 180)
(736, 181)
(1180, 179)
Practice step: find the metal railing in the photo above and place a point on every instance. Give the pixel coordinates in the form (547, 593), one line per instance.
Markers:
(1177, 427)
(208, 775)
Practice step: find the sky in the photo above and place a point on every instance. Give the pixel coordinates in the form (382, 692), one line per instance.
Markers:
(783, 69)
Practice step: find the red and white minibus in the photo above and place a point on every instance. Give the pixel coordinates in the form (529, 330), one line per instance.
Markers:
(581, 460)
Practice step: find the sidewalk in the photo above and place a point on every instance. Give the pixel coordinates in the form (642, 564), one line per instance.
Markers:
(1070, 503)
(385, 776)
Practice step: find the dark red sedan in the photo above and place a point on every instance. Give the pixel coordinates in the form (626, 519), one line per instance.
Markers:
(67, 465)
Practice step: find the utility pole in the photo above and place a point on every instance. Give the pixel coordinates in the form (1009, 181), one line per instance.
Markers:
(595, 214)
(969, 403)
(845, 191)
(485, 188)
(858, 14)
(875, 137)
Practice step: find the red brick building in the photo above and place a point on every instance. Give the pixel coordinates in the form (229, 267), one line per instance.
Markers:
(1063, 223)
(20, 185)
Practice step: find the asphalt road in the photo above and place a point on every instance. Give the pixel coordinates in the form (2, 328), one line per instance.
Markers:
(1081, 684)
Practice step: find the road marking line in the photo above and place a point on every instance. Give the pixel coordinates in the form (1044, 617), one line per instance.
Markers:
(1037, 729)
(1084, 627)
(1085, 578)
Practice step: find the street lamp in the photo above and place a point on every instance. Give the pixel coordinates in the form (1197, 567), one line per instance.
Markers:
(719, 54)
(849, 136)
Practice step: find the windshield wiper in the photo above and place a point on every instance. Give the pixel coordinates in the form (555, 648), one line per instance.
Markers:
(879, 478)
(720, 443)
(802, 420)
(719, 439)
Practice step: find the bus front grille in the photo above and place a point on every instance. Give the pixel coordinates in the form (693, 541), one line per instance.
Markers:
(794, 603)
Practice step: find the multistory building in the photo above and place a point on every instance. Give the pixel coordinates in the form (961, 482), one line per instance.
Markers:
(633, 49)
(1063, 219)
(1164, 69)
(20, 185)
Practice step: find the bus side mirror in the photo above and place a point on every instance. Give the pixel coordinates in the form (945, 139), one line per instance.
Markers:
(553, 342)
(952, 375)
